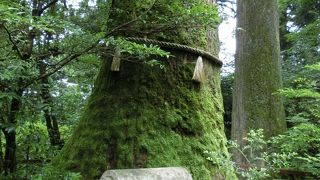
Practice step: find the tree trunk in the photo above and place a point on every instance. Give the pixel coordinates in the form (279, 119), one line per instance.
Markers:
(53, 129)
(10, 159)
(144, 116)
(257, 74)
(50, 118)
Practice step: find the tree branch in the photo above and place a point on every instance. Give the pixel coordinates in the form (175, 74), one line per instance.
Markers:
(46, 7)
(121, 26)
(70, 58)
(15, 47)
(62, 63)
(53, 53)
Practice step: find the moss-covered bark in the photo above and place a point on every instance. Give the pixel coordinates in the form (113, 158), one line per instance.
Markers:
(144, 116)
(257, 74)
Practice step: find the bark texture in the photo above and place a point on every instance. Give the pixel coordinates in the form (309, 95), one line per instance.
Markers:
(257, 74)
(144, 116)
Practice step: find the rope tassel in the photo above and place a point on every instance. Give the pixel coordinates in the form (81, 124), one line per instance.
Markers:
(116, 61)
(198, 74)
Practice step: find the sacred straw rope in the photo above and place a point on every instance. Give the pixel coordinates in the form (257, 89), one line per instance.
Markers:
(180, 47)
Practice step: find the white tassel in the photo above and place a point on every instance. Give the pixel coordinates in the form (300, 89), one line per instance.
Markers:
(198, 74)
(116, 61)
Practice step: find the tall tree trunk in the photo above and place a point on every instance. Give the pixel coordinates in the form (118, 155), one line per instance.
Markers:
(10, 159)
(50, 117)
(257, 74)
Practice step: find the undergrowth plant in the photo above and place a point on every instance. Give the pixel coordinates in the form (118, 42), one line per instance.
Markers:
(297, 150)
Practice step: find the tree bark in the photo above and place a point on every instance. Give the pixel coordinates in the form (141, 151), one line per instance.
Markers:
(257, 73)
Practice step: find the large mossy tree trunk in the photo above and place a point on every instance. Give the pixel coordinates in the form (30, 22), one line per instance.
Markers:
(257, 74)
(146, 116)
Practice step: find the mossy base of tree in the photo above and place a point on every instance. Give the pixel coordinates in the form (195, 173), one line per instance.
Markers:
(146, 116)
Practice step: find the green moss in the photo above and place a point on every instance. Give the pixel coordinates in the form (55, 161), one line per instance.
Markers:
(146, 117)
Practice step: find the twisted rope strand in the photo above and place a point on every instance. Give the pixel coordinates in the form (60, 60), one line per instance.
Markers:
(180, 47)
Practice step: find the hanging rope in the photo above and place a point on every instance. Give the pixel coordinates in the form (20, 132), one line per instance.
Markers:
(180, 47)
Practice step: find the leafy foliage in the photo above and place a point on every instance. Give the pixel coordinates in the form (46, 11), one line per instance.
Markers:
(300, 51)
(296, 150)
(299, 35)
(303, 100)
(164, 19)
(226, 88)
